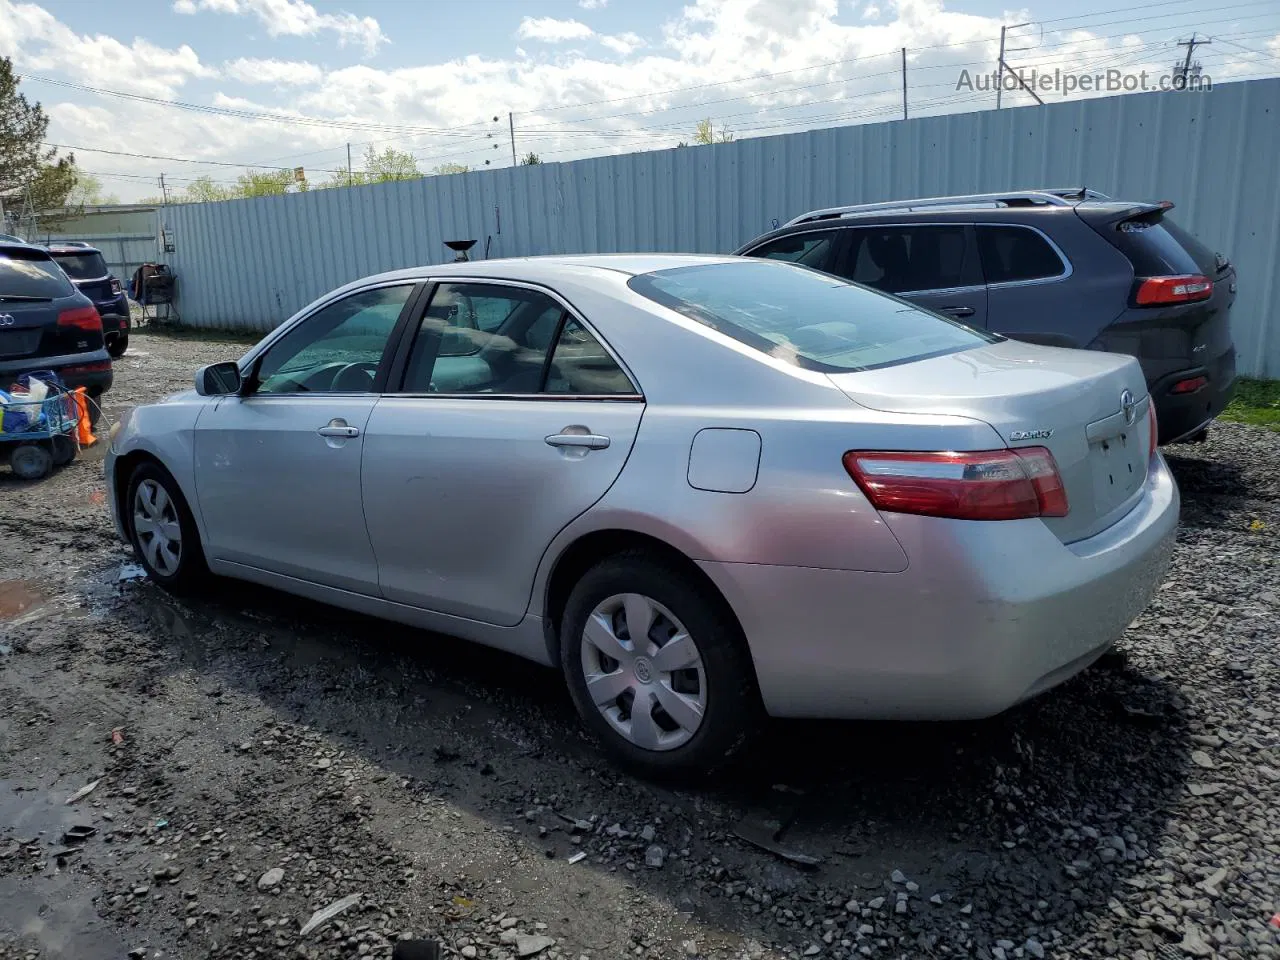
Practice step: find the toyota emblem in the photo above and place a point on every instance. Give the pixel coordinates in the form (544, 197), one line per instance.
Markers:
(6, 320)
(1128, 406)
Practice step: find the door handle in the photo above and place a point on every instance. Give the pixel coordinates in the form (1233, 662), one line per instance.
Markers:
(959, 311)
(585, 441)
(339, 428)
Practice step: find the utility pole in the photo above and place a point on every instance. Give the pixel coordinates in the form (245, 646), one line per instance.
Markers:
(164, 191)
(1000, 69)
(1184, 71)
(904, 83)
(511, 125)
(348, 163)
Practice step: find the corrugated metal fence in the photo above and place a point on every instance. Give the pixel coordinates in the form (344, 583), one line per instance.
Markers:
(249, 264)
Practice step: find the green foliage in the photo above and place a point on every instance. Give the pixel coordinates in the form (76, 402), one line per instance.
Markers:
(447, 168)
(1256, 402)
(27, 167)
(87, 192)
(706, 133)
(530, 159)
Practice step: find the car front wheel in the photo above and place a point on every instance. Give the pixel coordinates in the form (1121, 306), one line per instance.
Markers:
(162, 529)
(657, 671)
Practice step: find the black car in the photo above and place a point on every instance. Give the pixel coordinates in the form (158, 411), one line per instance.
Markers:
(47, 324)
(89, 272)
(1068, 268)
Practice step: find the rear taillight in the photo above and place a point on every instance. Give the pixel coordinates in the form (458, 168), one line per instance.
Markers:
(83, 318)
(1153, 426)
(1189, 385)
(115, 286)
(1188, 288)
(989, 485)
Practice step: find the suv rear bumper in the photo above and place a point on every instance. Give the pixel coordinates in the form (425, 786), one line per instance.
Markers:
(1183, 415)
(89, 370)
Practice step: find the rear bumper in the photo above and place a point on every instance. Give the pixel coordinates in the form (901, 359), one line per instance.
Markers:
(1184, 415)
(115, 324)
(985, 616)
(89, 370)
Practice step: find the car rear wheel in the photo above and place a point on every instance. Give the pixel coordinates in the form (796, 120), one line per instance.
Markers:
(163, 531)
(118, 344)
(658, 672)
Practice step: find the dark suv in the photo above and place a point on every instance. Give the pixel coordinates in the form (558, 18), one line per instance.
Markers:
(1066, 268)
(47, 324)
(89, 272)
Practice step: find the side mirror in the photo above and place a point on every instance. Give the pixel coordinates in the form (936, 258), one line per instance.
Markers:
(219, 379)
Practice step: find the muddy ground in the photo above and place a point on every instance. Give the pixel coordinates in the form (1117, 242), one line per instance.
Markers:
(257, 758)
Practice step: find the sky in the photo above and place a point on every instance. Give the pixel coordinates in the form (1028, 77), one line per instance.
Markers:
(191, 88)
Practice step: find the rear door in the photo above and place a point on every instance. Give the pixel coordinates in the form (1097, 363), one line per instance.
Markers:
(933, 265)
(32, 291)
(1021, 266)
(512, 418)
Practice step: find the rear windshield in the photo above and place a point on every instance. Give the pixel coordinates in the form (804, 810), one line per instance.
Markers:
(1162, 248)
(82, 266)
(29, 274)
(808, 318)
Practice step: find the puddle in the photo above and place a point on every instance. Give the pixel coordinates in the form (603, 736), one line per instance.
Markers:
(17, 597)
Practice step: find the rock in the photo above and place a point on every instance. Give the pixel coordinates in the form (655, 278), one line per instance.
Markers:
(967, 909)
(506, 923)
(469, 952)
(655, 856)
(324, 763)
(1202, 759)
(1193, 942)
(648, 834)
(1211, 883)
(898, 876)
(271, 879)
(900, 907)
(1033, 947)
(936, 899)
(528, 946)
(690, 948)
(812, 950)
(876, 904)
(913, 887)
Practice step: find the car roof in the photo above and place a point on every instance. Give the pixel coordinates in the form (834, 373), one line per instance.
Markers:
(70, 249)
(547, 268)
(20, 245)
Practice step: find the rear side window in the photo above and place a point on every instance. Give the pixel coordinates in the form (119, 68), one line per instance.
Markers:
(809, 249)
(28, 274)
(83, 266)
(1017, 254)
(1162, 248)
(813, 320)
(906, 259)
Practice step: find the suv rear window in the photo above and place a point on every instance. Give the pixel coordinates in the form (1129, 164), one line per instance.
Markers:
(1162, 248)
(83, 266)
(811, 319)
(30, 274)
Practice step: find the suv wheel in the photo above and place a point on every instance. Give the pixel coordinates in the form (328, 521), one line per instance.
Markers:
(118, 344)
(657, 672)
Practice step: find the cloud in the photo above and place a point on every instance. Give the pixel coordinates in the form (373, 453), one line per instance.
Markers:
(38, 42)
(295, 18)
(283, 73)
(623, 43)
(551, 30)
(592, 4)
(871, 12)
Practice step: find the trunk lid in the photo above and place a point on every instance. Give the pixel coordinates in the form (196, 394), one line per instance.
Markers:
(1069, 401)
(23, 326)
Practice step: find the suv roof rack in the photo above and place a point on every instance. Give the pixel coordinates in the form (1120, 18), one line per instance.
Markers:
(1057, 197)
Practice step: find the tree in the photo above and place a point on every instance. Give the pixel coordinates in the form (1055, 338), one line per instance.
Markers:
(447, 168)
(204, 190)
(706, 133)
(390, 164)
(531, 159)
(27, 168)
(87, 192)
(262, 183)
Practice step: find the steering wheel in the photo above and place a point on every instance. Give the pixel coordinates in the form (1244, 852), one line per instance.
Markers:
(361, 373)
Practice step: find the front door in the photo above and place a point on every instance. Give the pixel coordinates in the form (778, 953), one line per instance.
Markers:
(278, 468)
(512, 419)
(934, 265)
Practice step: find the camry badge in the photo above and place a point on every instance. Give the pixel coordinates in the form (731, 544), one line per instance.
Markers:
(1031, 434)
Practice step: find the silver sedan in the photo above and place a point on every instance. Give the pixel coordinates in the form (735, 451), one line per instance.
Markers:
(707, 489)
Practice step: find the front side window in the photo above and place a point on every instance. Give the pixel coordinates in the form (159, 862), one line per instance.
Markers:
(337, 349)
(30, 275)
(809, 249)
(812, 320)
(1017, 254)
(478, 338)
(906, 259)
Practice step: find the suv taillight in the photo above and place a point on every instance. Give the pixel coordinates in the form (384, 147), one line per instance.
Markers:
(84, 318)
(987, 485)
(115, 286)
(1186, 288)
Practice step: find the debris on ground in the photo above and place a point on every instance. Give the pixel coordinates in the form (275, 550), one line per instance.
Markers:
(321, 917)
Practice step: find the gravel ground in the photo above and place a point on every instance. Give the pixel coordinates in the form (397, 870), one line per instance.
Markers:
(257, 758)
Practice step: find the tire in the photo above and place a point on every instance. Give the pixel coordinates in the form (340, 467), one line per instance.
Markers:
(118, 345)
(30, 461)
(722, 683)
(177, 570)
(94, 406)
(64, 449)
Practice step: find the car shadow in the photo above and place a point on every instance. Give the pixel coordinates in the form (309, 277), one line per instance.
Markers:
(1212, 488)
(1059, 799)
